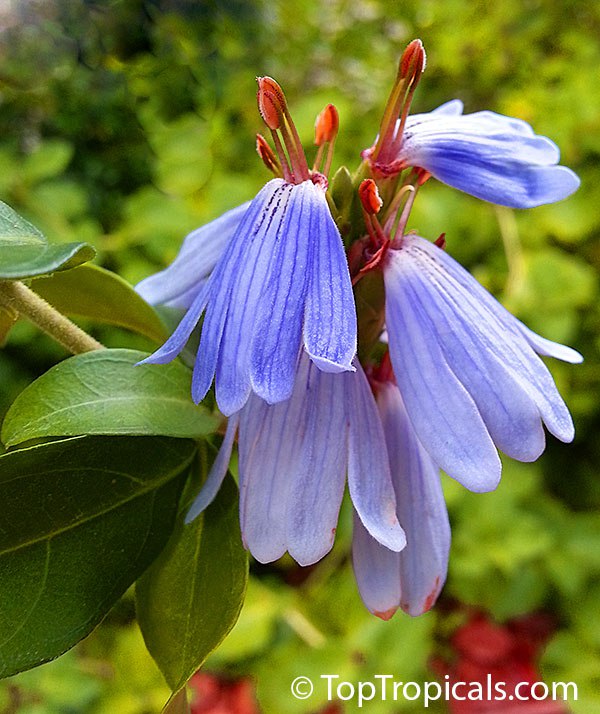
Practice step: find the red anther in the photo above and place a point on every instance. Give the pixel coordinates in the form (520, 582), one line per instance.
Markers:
(271, 102)
(423, 176)
(441, 241)
(413, 60)
(369, 196)
(267, 154)
(326, 125)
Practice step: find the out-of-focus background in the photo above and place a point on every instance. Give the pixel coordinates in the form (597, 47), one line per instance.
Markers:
(127, 123)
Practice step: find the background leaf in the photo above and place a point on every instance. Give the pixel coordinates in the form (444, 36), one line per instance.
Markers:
(83, 518)
(103, 392)
(91, 291)
(191, 597)
(25, 252)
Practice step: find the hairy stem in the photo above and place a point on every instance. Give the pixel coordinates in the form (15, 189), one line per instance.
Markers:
(18, 297)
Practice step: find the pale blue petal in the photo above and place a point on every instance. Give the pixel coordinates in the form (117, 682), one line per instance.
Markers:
(551, 349)
(377, 572)
(509, 412)
(178, 285)
(234, 292)
(267, 454)
(421, 509)
(495, 158)
(317, 485)
(278, 328)
(177, 341)
(369, 478)
(443, 414)
(292, 469)
(217, 473)
(497, 330)
(330, 315)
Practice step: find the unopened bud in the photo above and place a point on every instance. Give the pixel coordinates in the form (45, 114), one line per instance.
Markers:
(413, 61)
(326, 125)
(369, 196)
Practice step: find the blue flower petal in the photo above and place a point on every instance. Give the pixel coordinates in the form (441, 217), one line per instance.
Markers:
(317, 485)
(443, 414)
(490, 156)
(377, 572)
(278, 329)
(369, 478)
(235, 287)
(178, 285)
(497, 330)
(177, 341)
(421, 509)
(217, 473)
(509, 412)
(330, 315)
(292, 469)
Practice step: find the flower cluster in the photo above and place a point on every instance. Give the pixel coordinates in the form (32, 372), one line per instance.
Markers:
(273, 287)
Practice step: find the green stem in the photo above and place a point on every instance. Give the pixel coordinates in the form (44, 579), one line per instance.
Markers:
(18, 297)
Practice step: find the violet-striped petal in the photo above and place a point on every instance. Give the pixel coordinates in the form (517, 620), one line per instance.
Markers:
(317, 485)
(490, 156)
(178, 285)
(369, 478)
(217, 473)
(421, 508)
(509, 412)
(442, 412)
(497, 330)
(236, 285)
(377, 572)
(177, 341)
(330, 315)
(278, 328)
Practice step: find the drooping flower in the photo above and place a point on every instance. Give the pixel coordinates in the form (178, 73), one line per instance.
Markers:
(281, 286)
(490, 156)
(293, 461)
(413, 578)
(180, 283)
(493, 157)
(468, 371)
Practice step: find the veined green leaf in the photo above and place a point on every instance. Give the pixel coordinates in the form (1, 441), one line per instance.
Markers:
(192, 595)
(83, 518)
(25, 252)
(103, 392)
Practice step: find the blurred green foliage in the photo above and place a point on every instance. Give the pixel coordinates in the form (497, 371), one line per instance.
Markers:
(127, 123)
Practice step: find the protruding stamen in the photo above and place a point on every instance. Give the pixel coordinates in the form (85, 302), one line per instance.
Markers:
(274, 111)
(369, 197)
(327, 125)
(271, 102)
(441, 241)
(412, 63)
(268, 156)
(326, 129)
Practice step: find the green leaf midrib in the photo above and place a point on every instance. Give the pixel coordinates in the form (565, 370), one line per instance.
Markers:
(155, 485)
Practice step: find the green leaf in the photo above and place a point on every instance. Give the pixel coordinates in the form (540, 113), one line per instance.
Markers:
(83, 518)
(91, 291)
(103, 392)
(25, 252)
(192, 595)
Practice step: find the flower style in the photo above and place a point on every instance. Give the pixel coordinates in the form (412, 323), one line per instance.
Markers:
(413, 578)
(467, 369)
(293, 460)
(490, 156)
